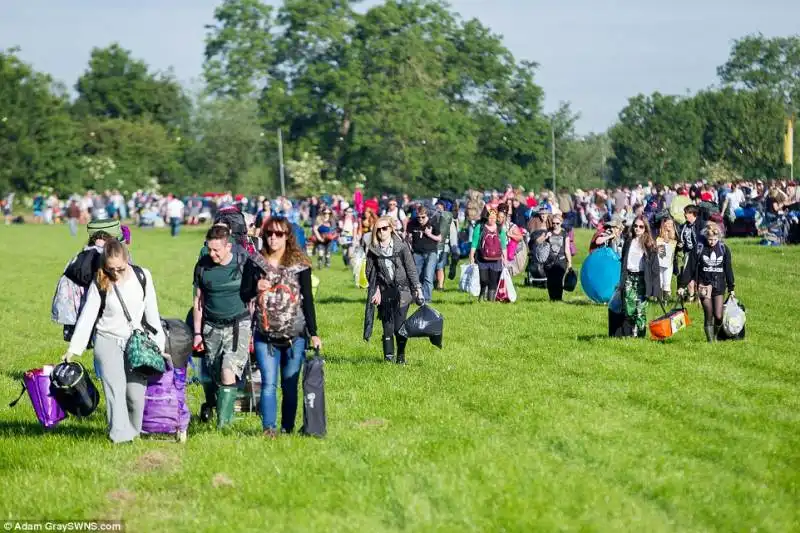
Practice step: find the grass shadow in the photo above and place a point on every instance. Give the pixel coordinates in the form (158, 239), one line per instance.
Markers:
(15, 375)
(358, 360)
(583, 302)
(340, 300)
(590, 338)
(19, 428)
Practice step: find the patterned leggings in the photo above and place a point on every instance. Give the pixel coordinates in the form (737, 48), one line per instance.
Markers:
(636, 303)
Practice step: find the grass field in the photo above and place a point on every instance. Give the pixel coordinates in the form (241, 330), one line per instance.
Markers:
(529, 419)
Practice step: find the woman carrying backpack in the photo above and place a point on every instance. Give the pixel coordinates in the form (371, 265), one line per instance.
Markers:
(713, 274)
(393, 284)
(640, 278)
(285, 320)
(489, 246)
(560, 258)
(118, 282)
(324, 232)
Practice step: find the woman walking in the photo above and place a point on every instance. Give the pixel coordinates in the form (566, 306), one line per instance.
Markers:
(489, 246)
(641, 276)
(285, 320)
(118, 284)
(560, 259)
(393, 279)
(713, 274)
(666, 242)
(324, 231)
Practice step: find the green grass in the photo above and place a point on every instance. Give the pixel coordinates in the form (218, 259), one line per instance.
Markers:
(529, 419)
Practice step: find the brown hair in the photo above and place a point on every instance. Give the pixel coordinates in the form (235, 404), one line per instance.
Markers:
(648, 243)
(112, 249)
(422, 210)
(99, 236)
(292, 255)
(218, 232)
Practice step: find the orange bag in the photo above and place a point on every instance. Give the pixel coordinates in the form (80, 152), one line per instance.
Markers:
(670, 323)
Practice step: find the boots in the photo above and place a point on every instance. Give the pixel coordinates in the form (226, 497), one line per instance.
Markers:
(401, 350)
(491, 296)
(210, 390)
(226, 397)
(711, 334)
(388, 350)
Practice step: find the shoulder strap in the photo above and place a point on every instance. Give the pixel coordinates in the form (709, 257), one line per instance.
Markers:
(141, 277)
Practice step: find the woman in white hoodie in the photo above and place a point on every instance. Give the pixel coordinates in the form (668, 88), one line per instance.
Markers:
(103, 314)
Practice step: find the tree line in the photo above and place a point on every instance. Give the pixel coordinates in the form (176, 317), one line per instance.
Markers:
(404, 97)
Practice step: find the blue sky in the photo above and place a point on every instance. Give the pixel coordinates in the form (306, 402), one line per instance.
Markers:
(592, 53)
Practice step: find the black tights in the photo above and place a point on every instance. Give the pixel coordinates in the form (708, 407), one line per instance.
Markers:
(489, 279)
(555, 282)
(392, 317)
(712, 309)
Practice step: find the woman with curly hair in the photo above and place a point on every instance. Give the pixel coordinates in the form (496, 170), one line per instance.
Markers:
(286, 322)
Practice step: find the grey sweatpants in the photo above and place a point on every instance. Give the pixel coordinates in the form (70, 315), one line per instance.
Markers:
(124, 391)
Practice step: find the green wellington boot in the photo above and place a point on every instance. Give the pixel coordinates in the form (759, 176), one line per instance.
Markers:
(226, 397)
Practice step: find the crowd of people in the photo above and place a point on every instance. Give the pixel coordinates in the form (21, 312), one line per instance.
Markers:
(253, 287)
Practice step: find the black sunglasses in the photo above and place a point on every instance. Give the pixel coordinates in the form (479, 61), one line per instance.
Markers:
(382, 228)
(275, 233)
(119, 270)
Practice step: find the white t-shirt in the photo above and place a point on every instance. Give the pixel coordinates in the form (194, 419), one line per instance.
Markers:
(399, 217)
(175, 208)
(113, 321)
(735, 200)
(635, 256)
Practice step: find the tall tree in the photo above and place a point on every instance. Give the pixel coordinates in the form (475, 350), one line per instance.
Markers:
(239, 48)
(118, 86)
(657, 138)
(742, 129)
(37, 134)
(760, 63)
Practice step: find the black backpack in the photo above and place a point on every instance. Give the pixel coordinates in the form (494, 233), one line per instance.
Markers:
(73, 389)
(315, 423)
(234, 219)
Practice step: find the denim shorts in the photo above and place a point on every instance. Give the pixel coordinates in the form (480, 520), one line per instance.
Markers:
(441, 259)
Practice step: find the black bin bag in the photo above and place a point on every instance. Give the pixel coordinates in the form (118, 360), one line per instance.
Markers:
(425, 322)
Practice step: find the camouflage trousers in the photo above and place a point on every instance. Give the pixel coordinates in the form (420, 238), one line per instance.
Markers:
(636, 303)
(221, 352)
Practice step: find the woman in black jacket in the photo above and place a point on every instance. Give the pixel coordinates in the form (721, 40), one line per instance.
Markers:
(713, 274)
(393, 284)
(640, 278)
(280, 281)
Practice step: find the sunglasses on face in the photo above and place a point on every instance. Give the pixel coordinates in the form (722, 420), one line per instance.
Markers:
(638, 226)
(120, 270)
(275, 233)
(382, 228)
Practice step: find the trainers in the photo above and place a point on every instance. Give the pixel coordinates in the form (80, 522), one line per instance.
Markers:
(388, 358)
(270, 433)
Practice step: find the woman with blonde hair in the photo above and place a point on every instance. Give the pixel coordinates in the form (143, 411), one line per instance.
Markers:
(393, 284)
(713, 273)
(640, 278)
(118, 286)
(666, 243)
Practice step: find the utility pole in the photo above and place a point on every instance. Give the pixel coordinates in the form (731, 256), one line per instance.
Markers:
(553, 142)
(280, 157)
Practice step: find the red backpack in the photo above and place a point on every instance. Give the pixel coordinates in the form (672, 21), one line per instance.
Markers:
(490, 247)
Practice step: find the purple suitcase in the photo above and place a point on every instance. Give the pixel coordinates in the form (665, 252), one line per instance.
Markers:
(37, 383)
(165, 409)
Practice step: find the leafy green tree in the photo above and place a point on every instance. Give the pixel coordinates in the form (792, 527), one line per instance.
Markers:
(765, 64)
(239, 49)
(118, 86)
(36, 131)
(657, 138)
(743, 130)
(230, 150)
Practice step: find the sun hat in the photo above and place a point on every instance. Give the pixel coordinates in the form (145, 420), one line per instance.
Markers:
(109, 225)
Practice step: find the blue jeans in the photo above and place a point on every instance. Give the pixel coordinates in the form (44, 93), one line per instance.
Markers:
(289, 360)
(426, 269)
(175, 225)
